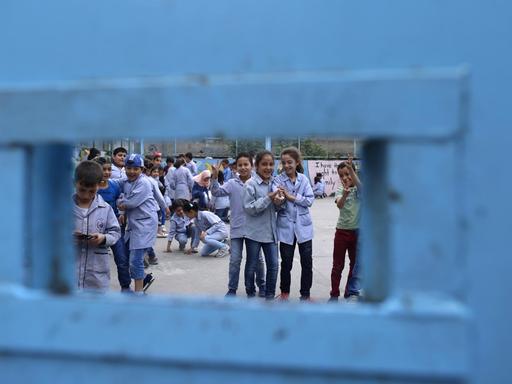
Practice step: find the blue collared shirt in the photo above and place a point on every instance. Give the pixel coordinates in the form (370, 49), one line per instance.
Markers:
(260, 224)
(293, 217)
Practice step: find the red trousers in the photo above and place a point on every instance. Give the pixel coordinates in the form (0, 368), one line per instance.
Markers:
(344, 240)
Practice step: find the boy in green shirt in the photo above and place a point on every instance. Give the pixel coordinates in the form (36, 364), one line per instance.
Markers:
(347, 199)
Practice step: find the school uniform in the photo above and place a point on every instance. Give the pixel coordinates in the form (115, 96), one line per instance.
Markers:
(294, 225)
(261, 232)
(319, 189)
(168, 190)
(93, 265)
(141, 210)
(216, 231)
(121, 257)
(181, 182)
(117, 172)
(192, 167)
(234, 188)
(181, 228)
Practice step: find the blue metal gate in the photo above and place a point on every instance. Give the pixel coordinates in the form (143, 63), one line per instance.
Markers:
(398, 74)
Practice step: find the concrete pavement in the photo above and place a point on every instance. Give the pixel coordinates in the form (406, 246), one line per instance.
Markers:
(178, 273)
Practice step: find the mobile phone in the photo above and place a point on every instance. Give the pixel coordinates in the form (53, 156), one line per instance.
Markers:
(83, 236)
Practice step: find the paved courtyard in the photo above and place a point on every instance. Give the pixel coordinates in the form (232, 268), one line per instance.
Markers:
(181, 274)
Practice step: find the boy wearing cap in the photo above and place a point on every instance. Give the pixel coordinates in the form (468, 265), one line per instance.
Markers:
(141, 209)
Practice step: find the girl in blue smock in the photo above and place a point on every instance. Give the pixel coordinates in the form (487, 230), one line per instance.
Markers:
(212, 230)
(294, 224)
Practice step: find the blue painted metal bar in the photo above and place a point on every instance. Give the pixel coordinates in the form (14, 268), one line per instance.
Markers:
(51, 264)
(230, 332)
(404, 104)
(13, 226)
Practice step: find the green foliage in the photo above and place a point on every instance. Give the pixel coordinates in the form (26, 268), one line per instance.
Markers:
(247, 145)
(311, 149)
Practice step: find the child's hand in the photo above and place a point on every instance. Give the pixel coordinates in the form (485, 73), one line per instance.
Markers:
(273, 194)
(167, 213)
(215, 172)
(121, 219)
(97, 239)
(202, 235)
(121, 207)
(286, 195)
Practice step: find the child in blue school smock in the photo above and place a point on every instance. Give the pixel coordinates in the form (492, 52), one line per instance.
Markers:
(181, 228)
(111, 191)
(95, 228)
(259, 203)
(233, 190)
(213, 231)
(142, 213)
(294, 223)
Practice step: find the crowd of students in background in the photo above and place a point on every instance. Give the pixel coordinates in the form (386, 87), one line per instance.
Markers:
(124, 203)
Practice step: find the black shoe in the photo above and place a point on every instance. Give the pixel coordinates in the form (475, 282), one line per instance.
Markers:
(148, 280)
(153, 261)
(333, 299)
(231, 292)
(146, 264)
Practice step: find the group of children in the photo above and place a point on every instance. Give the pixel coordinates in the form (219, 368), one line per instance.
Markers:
(120, 206)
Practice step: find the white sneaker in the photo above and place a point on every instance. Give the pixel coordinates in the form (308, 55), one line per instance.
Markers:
(352, 299)
(223, 252)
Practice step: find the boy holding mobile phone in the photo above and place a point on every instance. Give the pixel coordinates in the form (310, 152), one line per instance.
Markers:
(95, 228)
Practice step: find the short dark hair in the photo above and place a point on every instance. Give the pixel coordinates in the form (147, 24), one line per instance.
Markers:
(93, 153)
(148, 164)
(179, 163)
(155, 168)
(179, 203)
(169, 159)
(89, 173)
(344, 164)
(102, 160)
(261, 154)
(244, 154)
(189, 155)
(119, 149)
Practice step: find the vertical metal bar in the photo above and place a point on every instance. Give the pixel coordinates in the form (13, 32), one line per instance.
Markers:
(141, 146)
(374, 236)
(12, 226)
(50, 248)
(268, 143)
(175, 148)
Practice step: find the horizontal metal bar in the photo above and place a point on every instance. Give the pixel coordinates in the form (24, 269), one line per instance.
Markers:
(419, 338)
(395, 104)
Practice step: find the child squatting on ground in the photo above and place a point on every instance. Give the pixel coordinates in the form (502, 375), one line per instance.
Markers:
(181, 228)
(212, 230)
(95, 228)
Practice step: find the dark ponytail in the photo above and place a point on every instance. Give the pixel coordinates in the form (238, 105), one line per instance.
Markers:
(190, 206)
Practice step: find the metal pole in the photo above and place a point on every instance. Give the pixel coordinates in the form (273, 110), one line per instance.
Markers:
(175, 146)
(355, 148)
(236, 147)
(268, 143)
(141, 146)
(298, 143)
